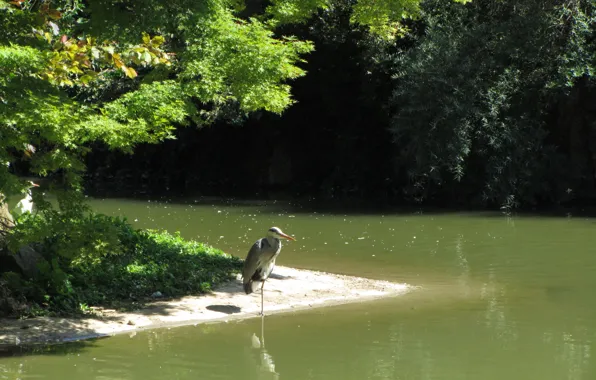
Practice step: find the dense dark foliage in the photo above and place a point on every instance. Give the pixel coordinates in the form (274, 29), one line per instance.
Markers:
(488, 103)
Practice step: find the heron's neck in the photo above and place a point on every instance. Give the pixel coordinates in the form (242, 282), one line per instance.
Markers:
(273, 241)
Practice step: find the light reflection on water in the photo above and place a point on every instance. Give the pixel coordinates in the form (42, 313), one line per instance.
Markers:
(502, 298)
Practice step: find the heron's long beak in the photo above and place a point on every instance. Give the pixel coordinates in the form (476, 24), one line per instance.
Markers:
(35, 185)
(287, 236)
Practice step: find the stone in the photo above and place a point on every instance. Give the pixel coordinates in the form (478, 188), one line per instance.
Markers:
(27, 259)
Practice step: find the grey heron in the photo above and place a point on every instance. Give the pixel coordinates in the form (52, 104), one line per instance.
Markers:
(260, 261)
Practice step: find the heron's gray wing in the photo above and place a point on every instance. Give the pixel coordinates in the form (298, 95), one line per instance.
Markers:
(252, 260)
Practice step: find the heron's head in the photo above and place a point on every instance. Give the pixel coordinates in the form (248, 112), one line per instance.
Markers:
(278, 234)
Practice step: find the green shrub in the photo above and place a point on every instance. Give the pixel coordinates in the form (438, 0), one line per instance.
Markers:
(100, 260)
(154, 261)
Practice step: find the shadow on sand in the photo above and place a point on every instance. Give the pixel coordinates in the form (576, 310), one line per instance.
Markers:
(17, 335)
(226, 309)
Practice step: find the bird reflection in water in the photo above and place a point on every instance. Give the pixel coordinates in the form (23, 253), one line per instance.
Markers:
(265, 365)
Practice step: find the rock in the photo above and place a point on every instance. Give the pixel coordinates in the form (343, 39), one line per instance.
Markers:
(131, 322)
(27, 259)
(157, 295)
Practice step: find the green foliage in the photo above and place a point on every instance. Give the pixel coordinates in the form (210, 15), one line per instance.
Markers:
(127, 121)
(154, 261)
(76, 237)
(100, 260)
(17, 61)
(384, 17)
(473, 98)
(231, 59)
(295, 11)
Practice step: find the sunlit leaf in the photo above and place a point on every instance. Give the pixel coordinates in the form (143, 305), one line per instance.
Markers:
(95, 53)
(146, 56)
(157, 40)
(129, 71)
(146, 39)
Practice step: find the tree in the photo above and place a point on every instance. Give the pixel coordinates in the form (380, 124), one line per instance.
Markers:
(475, 100)
(125, 72)
(61, 89)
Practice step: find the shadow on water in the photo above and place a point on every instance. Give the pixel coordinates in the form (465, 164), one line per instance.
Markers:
(310, 206)
(306, 206)
(56, 349)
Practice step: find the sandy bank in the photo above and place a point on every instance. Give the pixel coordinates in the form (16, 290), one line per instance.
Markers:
(287, 289)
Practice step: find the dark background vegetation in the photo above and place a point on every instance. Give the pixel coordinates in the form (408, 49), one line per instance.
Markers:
(484, 104)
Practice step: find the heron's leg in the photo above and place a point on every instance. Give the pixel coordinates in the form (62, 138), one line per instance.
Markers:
(262, 331)
(262, 286)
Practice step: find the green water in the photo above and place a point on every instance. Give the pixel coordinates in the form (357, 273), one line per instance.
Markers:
(501, 298)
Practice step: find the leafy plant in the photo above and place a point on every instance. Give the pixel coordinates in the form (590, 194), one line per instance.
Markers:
(101, 260)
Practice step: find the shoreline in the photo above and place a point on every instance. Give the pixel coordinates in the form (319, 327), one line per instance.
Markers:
(287, 290)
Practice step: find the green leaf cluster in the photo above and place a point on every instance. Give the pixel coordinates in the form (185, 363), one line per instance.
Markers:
(231, 59)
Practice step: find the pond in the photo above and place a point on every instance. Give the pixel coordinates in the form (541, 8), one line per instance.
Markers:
(502, 298)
